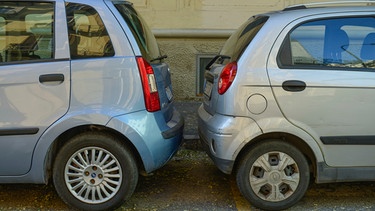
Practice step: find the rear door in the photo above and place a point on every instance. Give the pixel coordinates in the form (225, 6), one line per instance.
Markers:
(324, 83)
(34, 85)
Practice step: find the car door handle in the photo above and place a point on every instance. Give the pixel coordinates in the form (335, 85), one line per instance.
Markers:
(59, 78)
(294, 86)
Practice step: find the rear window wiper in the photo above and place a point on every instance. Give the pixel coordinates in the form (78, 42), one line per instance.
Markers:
(221, 58)
(159, 58)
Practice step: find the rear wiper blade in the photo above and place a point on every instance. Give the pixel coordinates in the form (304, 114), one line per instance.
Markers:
(159, 58)
(218, 57)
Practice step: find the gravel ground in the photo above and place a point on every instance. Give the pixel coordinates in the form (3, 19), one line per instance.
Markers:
(190, 181)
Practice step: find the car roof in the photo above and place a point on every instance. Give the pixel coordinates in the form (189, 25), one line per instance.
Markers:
(303, 10)
(88, 1)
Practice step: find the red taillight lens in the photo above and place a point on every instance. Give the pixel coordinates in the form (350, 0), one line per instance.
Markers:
(150, 90)
(227, 76)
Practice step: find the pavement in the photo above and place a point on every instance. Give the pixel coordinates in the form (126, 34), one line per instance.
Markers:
(188, 110)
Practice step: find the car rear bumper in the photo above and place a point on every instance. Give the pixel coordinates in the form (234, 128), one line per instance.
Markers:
(223, 136)
(155, 140)
(176, 126)
(225, 166)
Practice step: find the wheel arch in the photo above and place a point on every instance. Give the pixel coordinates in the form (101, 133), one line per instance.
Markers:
(67, 135)
(299, 143)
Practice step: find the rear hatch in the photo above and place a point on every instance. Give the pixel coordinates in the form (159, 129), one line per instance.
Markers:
(150, 57)
(226, 61)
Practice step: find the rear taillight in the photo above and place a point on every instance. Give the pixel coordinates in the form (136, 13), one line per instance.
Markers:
(227, 76)
(150, 90)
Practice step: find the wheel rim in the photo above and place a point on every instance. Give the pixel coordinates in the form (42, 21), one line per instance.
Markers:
(274, 176)
(93, 175)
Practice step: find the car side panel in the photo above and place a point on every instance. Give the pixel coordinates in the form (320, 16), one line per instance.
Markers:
(337, 105)
(106, 83)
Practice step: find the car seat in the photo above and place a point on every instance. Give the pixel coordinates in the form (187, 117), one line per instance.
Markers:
(336, 44)
(368, 47)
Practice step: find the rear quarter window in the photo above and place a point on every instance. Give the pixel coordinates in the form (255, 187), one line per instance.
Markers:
(88, 36)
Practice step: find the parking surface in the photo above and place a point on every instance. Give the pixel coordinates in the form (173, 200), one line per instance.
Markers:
(191, 182)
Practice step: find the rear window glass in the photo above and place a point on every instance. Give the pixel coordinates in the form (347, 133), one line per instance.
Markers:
(141, 32)
(241, 38)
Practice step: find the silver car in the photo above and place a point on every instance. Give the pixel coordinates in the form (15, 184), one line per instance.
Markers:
(291, 96)
(86, 99)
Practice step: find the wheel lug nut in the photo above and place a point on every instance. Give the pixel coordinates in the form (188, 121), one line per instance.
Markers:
(92, 181)
(94, 168)
(100, 176)
(87, 173)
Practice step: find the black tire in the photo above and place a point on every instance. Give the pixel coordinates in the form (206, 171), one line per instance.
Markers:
(261, 174)
(75, 172)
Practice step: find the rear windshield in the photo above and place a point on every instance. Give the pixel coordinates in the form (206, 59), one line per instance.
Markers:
(142, 33)
(241, 38)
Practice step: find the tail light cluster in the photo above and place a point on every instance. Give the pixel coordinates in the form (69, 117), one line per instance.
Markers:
(150, 90)
(227, 76)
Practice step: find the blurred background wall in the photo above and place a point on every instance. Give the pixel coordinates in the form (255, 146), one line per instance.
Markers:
(191, 32)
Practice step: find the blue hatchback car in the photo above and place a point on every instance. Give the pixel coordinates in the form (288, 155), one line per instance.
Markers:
(86, 99)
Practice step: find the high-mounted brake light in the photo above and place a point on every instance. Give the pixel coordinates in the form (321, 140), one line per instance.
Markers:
(227, 76)
(150, 90)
